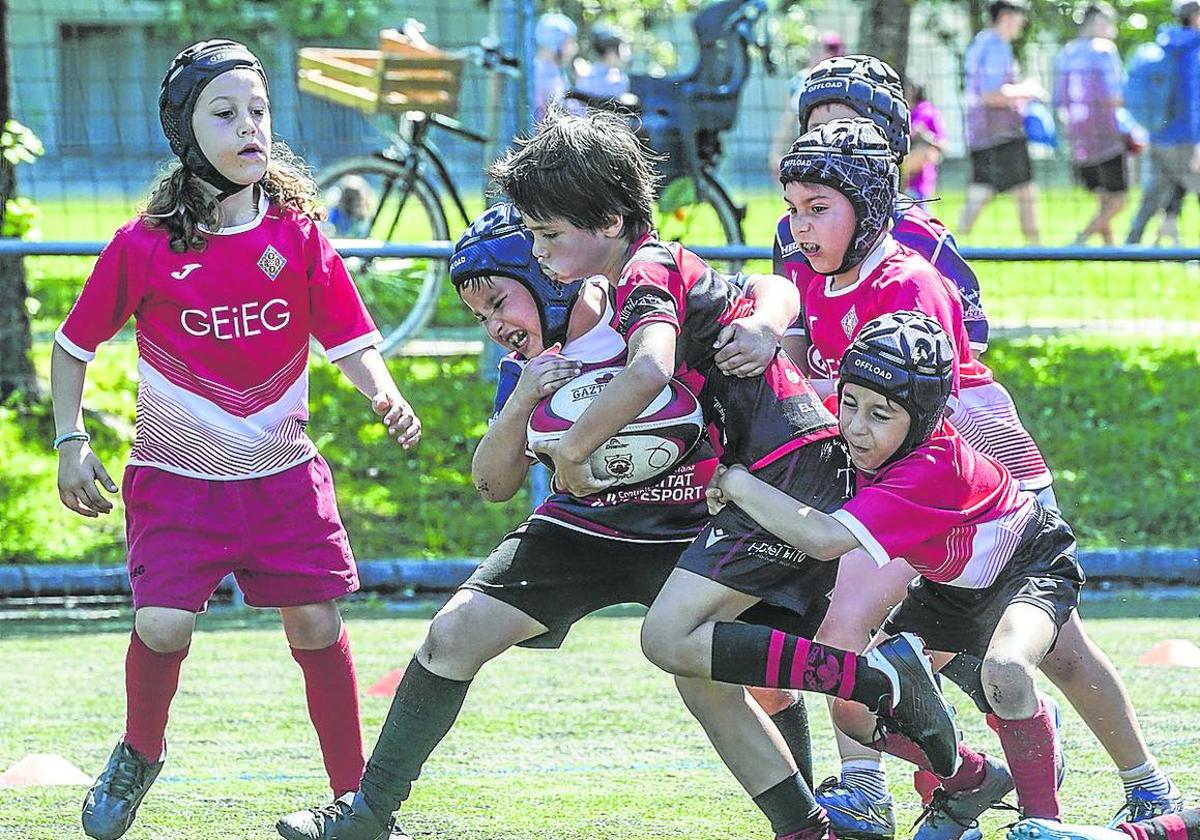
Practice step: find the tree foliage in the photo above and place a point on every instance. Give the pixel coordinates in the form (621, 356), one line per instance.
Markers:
(258, 22)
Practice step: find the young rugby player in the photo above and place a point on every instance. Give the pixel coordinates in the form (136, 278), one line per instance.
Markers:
(574, 554)
(864, 86)
(867, 87)
(575, 183)
(227, 277)
(838, 178)
(998, 571)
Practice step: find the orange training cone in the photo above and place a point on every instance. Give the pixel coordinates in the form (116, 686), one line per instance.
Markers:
(386, 686)
(1172, 653)
(36, 770)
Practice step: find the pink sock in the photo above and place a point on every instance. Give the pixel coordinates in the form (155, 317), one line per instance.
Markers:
(331, 688)
(925, 783)
(1134, 830)
(151, 679)
(970, 772)
(1029, 749)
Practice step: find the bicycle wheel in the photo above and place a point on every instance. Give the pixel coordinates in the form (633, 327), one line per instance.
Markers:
(369, 205)
(698, 212)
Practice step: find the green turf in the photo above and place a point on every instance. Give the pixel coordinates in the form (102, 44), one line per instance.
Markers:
(590, 742)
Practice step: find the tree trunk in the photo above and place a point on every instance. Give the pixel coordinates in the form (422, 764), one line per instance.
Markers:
(16, 341)
(884, 32)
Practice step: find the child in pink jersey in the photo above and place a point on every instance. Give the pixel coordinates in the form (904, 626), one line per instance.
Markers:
(838, 178)
(998, 575)
(227, 277)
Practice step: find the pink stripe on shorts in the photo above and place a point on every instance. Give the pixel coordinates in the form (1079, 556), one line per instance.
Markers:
(280, 535)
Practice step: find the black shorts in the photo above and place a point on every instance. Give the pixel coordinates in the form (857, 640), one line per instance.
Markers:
(1002, 167)
(736, 552)
(556, 575)
(1107, 176)
(1043, 572)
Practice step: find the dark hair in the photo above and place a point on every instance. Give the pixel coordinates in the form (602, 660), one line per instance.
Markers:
(917, 92)
(1186, 12)
(999, 7)
(1095, 10)
(584, 169)
(181, 204)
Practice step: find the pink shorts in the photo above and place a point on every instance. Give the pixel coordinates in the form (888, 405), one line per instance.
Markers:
(280, 536)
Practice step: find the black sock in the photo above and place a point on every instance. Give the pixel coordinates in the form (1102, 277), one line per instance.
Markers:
(422, 712)
(750, 654)
(792, 723)
(790, 806)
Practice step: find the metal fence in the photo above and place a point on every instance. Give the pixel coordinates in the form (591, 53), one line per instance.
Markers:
(86, 72)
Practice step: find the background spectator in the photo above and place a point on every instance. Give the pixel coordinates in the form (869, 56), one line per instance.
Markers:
(928, 139)
(1088, 83)
(828, 45)
(1173, 162)
(556, 48)
(605, 76)
(995, 127)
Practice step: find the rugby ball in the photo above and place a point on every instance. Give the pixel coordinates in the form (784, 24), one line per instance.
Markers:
(661, 436)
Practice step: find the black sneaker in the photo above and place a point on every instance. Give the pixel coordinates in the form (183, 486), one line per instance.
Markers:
(347, 818)
(916, 708)
(113, 799)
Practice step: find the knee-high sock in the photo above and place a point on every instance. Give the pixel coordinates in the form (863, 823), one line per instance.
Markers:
(151, 679)
(1029, 750)
(792, 723)
(749, 654)
(422, 712)
(331, 689)
(1182, 826)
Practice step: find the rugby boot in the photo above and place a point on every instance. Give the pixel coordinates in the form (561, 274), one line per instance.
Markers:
(950, 816)
(1051, 830)
(916, 708)
(347, 818)
(113, 799)
(1142, 804)
(853, 814)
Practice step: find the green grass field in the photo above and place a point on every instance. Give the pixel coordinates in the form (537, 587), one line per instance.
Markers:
(589, 742)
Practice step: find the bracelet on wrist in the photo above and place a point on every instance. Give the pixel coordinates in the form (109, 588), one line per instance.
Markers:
(69, 436)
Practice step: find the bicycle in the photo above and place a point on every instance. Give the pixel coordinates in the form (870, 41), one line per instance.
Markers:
(403, 188)
(683, 116)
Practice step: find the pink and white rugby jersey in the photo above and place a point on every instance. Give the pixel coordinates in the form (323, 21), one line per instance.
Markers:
(223, 339)
(892, 278)
(956, 515)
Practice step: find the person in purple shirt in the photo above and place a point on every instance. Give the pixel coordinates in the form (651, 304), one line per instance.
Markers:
(995, 125)
(928, 140)
(1087, 95)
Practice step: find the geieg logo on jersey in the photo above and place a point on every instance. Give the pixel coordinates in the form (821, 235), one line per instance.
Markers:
(229, 322)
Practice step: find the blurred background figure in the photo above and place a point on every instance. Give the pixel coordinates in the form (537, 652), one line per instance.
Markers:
(928, 139)
(1088, 85)
(1163, 94)
(605, 75)
(353, 204)
(827, 45)
(995, 123)
(556, 49)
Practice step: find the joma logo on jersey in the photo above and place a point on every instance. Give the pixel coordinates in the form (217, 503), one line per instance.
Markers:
(229, 322)
(182, 273)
